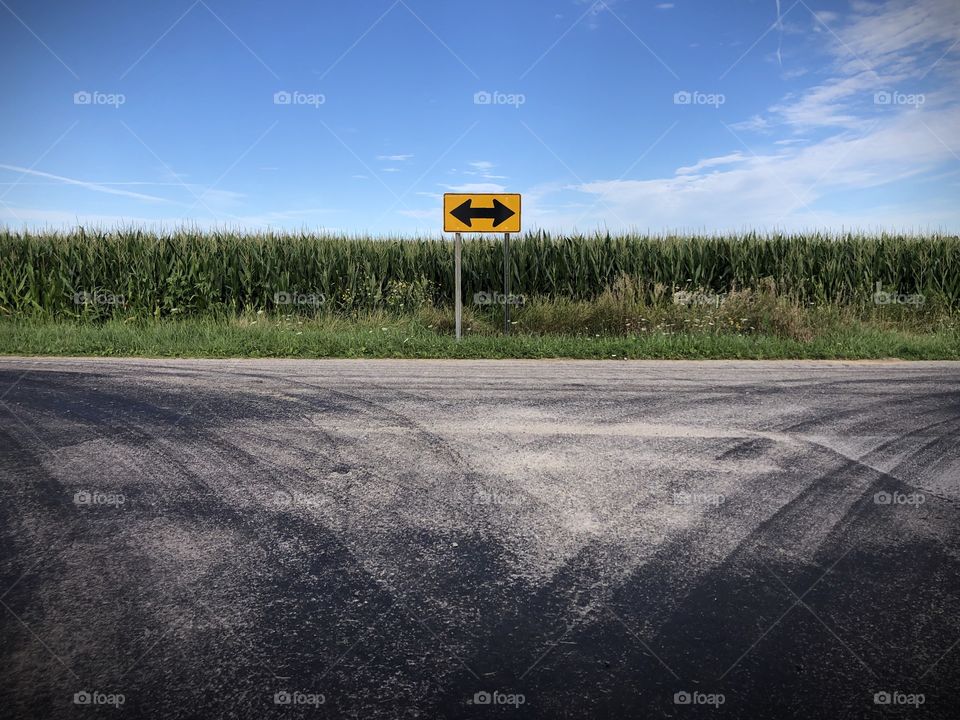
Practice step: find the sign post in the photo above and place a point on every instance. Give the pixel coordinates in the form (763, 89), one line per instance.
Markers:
(458, 298)
(506, 283)
(481, 213)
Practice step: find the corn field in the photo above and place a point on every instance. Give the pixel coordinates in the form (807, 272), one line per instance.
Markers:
(194, 273)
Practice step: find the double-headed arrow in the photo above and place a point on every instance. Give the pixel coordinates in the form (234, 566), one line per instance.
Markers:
(465, 213)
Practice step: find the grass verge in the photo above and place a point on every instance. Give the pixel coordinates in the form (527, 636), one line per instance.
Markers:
(381, 337)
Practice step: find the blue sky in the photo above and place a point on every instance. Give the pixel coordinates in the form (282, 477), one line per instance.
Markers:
(357, 116)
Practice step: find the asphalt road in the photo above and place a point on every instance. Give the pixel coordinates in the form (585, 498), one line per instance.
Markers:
(386, 539)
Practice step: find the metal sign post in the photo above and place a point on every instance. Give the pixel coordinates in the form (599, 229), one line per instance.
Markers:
(458, 300)
(506, 283)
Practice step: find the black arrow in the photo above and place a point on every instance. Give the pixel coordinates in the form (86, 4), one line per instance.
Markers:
(498, 213)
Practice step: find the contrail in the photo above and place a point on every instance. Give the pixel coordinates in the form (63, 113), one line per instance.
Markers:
(779, 27)
(82, 183)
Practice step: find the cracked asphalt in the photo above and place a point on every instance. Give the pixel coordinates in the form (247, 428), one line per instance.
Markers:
(459, 539)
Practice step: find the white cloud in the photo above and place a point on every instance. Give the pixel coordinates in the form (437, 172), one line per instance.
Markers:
(891, 45)
(834, 137)
(890, 36)
(96, 187)
(665, 6)
(711, 162)
(61, 219)
(476, 188)
(826, 16)
(394, 158)
(755, 124)
(482, 169)
(782, 188)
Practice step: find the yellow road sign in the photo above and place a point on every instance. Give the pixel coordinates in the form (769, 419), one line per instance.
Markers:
(481, 212)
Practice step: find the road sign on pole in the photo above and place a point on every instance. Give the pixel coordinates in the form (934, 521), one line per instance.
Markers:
(481, 212)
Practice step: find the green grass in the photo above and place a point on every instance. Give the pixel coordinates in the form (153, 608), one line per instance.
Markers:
(405, 338)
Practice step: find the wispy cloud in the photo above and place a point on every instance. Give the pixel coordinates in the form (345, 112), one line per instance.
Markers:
(44, 217)
(394, 158)
(110, 189)
(782, 188)
(483, 168)
(476, 188)
(711, 162)
(897, 44)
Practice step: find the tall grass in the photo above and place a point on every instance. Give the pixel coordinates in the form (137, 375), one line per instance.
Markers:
(194, 273)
